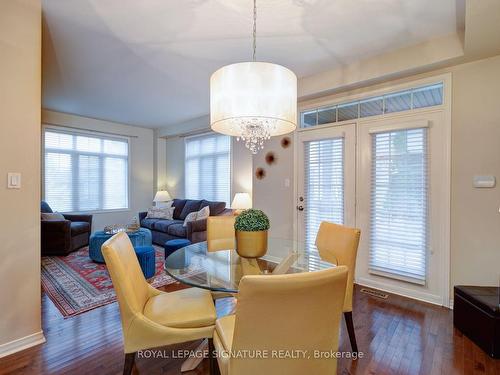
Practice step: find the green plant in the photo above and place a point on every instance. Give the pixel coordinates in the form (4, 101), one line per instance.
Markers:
(251, 221)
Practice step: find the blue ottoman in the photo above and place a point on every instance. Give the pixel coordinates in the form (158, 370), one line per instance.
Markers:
(141, 237)
(173, 245)
(146, 257)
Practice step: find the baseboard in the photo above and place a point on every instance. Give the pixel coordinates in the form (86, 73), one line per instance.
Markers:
(21, 344)
(451, 304)
(409, 293)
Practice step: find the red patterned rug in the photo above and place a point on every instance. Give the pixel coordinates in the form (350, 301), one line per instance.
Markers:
(76, 284)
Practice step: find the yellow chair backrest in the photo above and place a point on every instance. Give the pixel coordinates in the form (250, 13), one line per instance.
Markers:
(220, 233)
(132, 289)
(288, 312)
(339, 245)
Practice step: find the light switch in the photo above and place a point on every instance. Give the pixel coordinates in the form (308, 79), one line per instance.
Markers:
(287, 182)
(13, 180)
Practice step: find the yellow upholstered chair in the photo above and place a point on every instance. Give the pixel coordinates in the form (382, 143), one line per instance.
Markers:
(339, 245)
(220, 233)
(152, 318)
(294, 312)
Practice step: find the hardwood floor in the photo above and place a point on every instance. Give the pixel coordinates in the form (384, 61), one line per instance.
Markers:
(396, 335)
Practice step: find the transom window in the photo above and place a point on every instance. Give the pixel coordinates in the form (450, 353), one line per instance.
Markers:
(419, 97)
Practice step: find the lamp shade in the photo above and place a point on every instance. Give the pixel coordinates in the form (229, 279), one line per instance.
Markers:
(162, 196)
(241, 201)
(253, 92)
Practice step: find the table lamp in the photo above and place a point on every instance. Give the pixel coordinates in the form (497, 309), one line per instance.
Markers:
(241, 201)
(161, 197)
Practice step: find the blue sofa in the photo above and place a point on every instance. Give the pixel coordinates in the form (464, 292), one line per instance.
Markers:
(196, 231)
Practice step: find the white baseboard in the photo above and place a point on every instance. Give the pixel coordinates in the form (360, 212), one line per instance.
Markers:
(409, 293)
(451, 304)
(21, 344)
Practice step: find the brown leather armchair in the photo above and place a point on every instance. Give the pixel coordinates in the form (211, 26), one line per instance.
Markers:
(63, 237)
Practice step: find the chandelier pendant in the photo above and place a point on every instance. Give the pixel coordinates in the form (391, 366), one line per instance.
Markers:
(253, 101)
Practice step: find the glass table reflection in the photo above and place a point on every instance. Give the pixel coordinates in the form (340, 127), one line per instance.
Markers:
(222, 270)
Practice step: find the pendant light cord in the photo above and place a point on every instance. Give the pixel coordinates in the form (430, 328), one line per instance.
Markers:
(254, 29)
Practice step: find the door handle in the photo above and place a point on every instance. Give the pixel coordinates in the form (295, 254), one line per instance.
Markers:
(300, 208)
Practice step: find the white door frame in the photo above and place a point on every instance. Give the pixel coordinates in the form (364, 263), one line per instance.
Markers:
(445, 198)
(348, 133)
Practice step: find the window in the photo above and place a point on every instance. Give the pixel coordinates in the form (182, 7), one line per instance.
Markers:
(420, 97)
(399, 200)
(85, 172)
(208, 167)
(323, 185)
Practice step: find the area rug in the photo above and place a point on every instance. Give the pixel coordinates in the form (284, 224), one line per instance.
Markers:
(76, 284)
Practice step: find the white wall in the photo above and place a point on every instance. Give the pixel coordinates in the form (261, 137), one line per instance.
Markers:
(475, 220)
(142, 163)
(271, 193)
(20, 81)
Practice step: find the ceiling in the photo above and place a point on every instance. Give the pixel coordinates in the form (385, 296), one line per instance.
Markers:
(148, 62)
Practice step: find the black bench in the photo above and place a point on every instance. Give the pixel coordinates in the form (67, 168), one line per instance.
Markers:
(476, 313)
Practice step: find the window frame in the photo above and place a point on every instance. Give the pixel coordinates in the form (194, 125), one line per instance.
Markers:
(89, 133)
(231, 159)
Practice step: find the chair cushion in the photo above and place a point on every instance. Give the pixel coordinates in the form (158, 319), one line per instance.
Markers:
(179, 205)
(162, 225)
(190, 206)
(79, 227)
(148, 223)
(187, 308)
(178, 230)
(216, 208)
(225, 329)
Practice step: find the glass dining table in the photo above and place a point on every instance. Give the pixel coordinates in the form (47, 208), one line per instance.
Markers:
(222, 270)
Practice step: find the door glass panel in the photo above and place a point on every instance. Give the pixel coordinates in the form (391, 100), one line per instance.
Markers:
(323, 185)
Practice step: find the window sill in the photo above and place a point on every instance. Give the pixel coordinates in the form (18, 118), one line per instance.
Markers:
(97, 212)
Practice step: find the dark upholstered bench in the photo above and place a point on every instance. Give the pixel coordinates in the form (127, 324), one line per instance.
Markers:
(476, 313)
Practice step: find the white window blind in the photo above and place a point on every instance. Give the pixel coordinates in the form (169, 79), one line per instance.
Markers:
(324, 185)
(208, 167)
(399, 204)
(85, 172)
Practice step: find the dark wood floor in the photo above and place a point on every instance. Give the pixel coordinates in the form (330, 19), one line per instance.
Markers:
(397, 336)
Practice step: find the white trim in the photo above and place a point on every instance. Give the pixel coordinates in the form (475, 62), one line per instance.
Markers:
(401, 291)
(21, 344)
(445, 200)
(450, 306)
(407, 125)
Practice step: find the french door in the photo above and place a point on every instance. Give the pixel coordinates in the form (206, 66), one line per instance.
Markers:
(326, 172)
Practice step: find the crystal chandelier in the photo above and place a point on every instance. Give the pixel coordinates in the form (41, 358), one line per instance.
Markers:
(253, 101)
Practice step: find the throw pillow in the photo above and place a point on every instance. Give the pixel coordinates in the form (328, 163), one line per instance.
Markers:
(198, 215)
(52, 216)
(166, 213)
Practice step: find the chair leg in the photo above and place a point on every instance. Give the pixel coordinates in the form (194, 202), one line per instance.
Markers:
(211, 357)
(129, 363)
(350, 330)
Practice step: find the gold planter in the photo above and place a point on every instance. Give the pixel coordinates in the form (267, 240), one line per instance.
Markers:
(251, 244)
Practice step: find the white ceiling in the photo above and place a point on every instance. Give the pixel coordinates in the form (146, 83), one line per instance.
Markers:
(148, 62)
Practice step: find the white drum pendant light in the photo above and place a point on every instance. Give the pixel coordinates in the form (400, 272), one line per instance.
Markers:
(253, 101)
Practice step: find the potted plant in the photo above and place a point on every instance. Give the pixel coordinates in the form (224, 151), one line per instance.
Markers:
(251, 233)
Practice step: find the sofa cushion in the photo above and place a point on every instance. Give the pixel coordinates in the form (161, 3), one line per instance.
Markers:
(179, 205)
(44, 207)
(190, 206)
(79, 227)
(177, 230)
(216, 208)
(162, 225)
(148, 223)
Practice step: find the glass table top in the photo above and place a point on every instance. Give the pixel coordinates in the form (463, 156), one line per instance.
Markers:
(222, 270)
